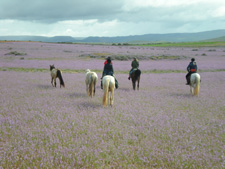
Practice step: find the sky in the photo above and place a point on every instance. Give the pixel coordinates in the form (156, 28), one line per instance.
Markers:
(83, 18)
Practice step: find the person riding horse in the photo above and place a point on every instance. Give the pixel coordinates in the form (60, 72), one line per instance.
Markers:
(107, 59)
(192, 68)
(108, 70)
(134, 65)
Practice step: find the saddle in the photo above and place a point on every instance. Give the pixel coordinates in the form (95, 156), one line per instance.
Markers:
(108, 73)
(133, 70)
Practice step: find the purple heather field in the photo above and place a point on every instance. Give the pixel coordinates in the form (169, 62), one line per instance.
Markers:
(71, 56)
(160, 126)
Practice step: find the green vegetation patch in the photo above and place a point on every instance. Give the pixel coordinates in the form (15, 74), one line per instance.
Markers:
(53, 58)
(20, 69)
(96, 55)
(186, 44)
(15, 53)
(130, 57)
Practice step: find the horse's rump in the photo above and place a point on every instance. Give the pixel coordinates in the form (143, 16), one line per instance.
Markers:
(108, 86)
(195, 80)
(59, 75)
(91, 81)
(135, 76)
(137, 73)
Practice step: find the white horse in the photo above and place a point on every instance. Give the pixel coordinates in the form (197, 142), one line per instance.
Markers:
(56, 73)
(91, 81)
(195, 83)
(108, 86)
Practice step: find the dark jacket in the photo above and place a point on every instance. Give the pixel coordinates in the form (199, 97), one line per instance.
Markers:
(192, 67)
(135, 64)
(108, 69)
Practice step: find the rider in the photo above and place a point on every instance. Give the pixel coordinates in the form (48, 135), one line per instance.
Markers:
(134, 65)
(108, 70)
(192, 68)
(107, 59)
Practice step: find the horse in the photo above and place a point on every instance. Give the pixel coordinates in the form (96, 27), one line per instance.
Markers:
(56, 73)
(135, 77)
(108, 86)
(91, 81)
(195, 84)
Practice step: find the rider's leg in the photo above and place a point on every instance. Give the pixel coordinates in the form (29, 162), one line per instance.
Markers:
(103, 74)
(116, 82)
(130, 74)
(188, 78)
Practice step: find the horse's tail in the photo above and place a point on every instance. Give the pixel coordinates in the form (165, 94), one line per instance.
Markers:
(59, 75)
(92, 84)
(137, 74)
(106, 91)
(197, 84)
(95, 81)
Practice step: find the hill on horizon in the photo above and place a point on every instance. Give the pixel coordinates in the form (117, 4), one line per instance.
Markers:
(214, 35)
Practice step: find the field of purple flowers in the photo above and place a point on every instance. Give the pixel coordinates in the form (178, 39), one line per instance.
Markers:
(80, 57)
(160, 126)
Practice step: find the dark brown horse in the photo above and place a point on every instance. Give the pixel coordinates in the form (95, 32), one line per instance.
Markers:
(135, 77)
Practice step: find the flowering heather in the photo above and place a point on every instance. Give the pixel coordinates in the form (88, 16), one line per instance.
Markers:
(77, 56)
(160, 126)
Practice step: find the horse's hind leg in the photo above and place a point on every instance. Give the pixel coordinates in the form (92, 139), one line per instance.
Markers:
(191, 90)
(138, 84)
(52, 81)
(111, 98)
(87, 90)
(55, 81)
(134, 85)
(94, 90)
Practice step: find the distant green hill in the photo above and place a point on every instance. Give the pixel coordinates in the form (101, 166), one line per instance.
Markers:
(220, 39)
(215, 35)
(172, 37)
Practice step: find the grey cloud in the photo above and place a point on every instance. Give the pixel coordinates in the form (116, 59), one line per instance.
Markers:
(102, 10)
(43, 16)
(58, 10)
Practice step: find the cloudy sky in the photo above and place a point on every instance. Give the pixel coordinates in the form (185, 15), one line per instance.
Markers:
(83, 18)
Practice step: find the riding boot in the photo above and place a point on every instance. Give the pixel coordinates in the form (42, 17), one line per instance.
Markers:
(129, 74)
(116, 84)
(188, 81)
(188, 78)
(101, 85)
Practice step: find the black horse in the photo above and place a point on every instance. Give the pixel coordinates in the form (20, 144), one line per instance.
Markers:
(135, 77)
